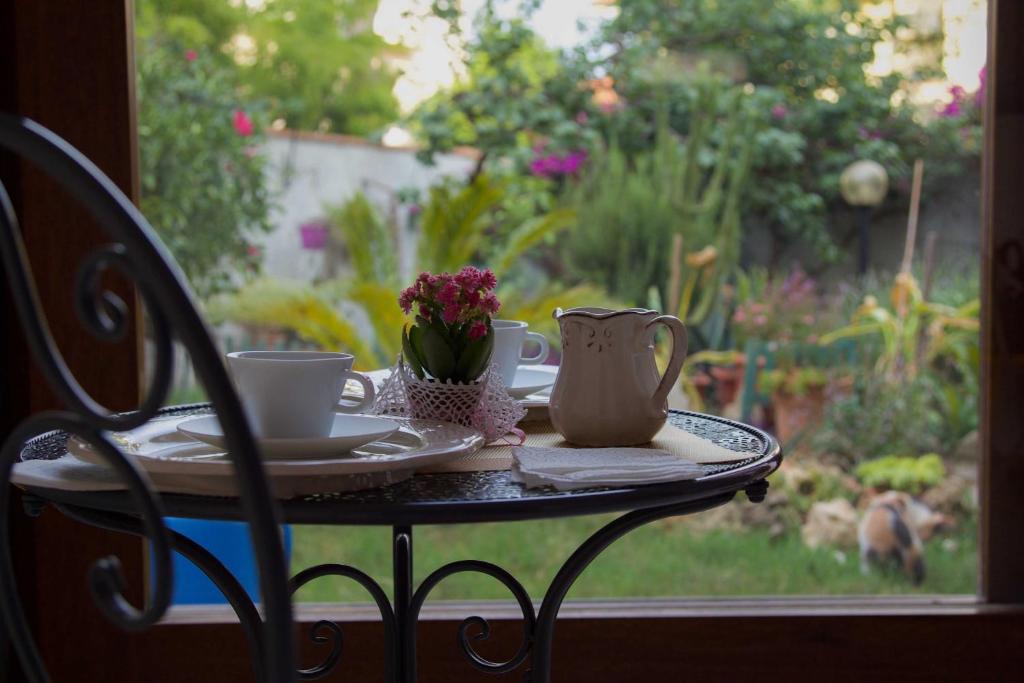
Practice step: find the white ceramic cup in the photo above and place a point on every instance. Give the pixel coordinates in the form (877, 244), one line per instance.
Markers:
(295, 394)
(509, 336)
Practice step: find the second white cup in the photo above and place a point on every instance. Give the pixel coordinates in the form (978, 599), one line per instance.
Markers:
(509, 336)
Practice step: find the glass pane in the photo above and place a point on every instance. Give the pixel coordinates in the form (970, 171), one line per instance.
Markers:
(797, 181)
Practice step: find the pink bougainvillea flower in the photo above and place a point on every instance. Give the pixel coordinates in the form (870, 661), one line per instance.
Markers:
(243, 124)
(951, 110)
(779, 112)
(552, 165)
(191, 55)
(572, 162)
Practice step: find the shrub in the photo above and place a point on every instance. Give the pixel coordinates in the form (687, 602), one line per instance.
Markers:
(909, 474)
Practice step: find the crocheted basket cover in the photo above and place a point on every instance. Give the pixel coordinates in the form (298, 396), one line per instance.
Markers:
(484, 405)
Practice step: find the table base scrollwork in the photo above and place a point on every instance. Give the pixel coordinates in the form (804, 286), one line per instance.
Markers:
(400, 614)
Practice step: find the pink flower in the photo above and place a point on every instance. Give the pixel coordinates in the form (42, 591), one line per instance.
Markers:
(779, 112)
(450, 313)
(761, 320)
(254, 251)
(555, 165)
(449, 293)
(478, 330)
(406, 298)
(951, 110)
(469, 278)
(487, 279)
(490, 304)
(424, 312)
(191, 55)
(582, 118)
(243, 124)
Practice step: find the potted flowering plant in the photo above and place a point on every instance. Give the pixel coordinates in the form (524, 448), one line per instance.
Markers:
(452, 339)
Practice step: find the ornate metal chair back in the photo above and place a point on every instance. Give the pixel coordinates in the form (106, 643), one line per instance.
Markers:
(137, 253)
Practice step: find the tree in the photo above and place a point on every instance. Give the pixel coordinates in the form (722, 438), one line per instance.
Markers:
(317, 63)
(320, 64)
(502, 107)
(203, 182)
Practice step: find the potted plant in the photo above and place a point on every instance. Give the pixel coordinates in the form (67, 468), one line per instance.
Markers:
(446, 351)
(314, 235)
(798, 398)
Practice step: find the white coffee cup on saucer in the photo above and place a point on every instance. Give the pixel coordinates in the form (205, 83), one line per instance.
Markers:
(509, 336)
(295, 394)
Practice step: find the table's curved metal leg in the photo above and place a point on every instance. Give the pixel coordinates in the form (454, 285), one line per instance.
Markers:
(584, 555)
(481, 663)
(233, 592)
(322, 628)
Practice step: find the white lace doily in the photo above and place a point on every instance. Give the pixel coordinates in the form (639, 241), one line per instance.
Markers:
(484, 405)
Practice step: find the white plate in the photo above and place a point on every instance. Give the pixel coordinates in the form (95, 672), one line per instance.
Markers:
(175, 462)
(347, 432)
(531, 379)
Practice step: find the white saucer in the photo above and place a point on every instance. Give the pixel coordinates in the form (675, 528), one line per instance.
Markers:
(531, 379)
(347, 432)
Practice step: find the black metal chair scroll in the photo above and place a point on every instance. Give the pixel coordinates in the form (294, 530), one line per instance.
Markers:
(139, 255)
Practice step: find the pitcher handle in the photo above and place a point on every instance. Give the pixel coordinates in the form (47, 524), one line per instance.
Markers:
(675, 364)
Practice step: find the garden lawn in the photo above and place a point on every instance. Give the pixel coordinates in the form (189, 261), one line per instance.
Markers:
(669, 558)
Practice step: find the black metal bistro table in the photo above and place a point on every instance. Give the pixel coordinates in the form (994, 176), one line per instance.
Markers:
(462, 498)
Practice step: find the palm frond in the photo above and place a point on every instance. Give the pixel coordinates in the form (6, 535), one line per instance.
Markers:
(530, 233)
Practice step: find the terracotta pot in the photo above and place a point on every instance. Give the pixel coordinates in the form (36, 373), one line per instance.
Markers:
(729, 380)
(795, 415)
(703, 383)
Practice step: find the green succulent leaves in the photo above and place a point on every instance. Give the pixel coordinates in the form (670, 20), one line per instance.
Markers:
(446, 353)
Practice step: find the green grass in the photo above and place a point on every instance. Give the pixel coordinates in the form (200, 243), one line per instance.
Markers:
(668, 558)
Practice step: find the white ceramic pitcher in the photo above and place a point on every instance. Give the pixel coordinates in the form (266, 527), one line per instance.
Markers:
(608, 391)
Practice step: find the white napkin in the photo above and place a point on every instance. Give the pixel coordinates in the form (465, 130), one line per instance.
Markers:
(576, 468)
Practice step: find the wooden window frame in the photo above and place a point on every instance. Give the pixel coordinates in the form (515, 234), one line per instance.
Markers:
(61, 57)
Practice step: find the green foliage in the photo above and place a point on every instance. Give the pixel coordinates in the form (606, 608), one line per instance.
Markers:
(203, 182)
(501, 106)
(793, 382)
(912, 475)
(821, 107)
(317, 63)
(671, 558)
(455, 223)
(367, 237)
(631, 209)
(320, 64)
(307, 311)
(878, 418)
(446, 352)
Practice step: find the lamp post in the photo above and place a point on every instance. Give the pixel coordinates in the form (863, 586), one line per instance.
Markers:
(863, 185)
